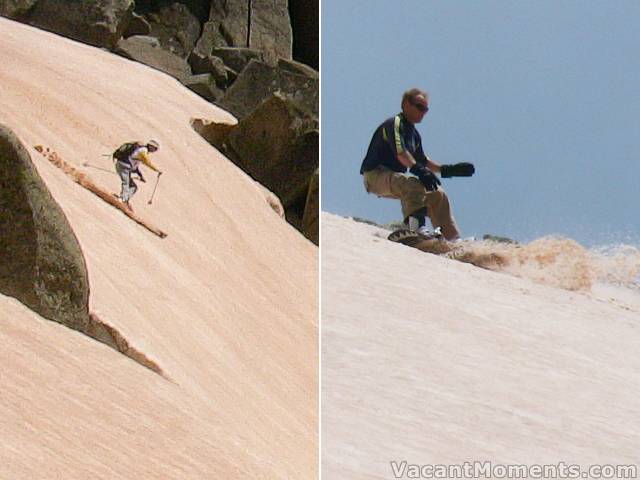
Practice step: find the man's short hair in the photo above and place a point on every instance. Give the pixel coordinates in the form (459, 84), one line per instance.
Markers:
(412, 93)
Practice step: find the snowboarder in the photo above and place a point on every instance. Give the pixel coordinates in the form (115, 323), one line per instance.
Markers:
(128, 158)
(397, 146)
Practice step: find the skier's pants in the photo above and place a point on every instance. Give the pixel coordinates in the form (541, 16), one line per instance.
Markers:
(129, 187)
(413, 197)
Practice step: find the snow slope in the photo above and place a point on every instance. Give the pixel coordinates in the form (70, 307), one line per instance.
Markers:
(431, 361)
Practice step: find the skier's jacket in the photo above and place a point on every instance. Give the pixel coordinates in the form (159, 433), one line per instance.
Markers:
(394, 136)
(131, 154)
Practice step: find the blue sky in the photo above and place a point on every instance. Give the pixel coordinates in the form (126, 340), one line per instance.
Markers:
(543, 97)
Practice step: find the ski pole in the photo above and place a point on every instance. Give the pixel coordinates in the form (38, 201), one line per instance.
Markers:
(87, 164)
(154, 189)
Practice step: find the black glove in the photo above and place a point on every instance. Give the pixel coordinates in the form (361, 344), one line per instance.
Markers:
(426, 176)
(463, 169)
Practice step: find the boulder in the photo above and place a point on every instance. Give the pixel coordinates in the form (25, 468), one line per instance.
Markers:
(257, 24)
(97, 22)
(298, 68)
(147, 50)
(41, 263)
(259, 80)
(210, 64)
(214, 133)
(227, 26)
(16, 9)
(237, 58)
(278, 146)
(310, 223)
(204, 85)
(176, 27)
(270, 27)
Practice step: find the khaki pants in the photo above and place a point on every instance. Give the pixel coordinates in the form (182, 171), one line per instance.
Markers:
(413, 196)
(129, 187)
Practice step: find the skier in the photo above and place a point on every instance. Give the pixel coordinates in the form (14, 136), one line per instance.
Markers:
(128, 158)
(395, 147)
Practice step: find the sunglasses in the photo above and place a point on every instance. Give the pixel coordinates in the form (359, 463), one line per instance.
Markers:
(421, 107)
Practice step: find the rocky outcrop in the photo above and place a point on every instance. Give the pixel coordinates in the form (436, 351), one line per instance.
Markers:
(275, 28)
(40, 260)
(41, 263)
(275, 146)
(16, 9)
(100, 23)
(204, 85)
(175, 27)
(259, 24)
(259, 80)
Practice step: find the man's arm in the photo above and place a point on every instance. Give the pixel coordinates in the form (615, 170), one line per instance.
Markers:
(144, 158)
(433, 166)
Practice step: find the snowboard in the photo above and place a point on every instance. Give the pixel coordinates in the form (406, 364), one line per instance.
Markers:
(462, 251)
(434, 243)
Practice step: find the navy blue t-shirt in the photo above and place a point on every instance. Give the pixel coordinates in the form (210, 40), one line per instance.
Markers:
(395, 135)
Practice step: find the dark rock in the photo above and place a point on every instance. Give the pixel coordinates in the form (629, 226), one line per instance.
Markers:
(142, 49)
(176, 27)
(310, 222)
(259, 80)
(270, 27)
(232, 76)
(41, 263)
(137, 26)
(16, 9)
(296, 67)
(204, 85)
(257, 24)
(214, 133)
(99, 23)
(227, 26)
(305, 25)
(237, 57)
(278, 146)
(210, 64)
(199, 8)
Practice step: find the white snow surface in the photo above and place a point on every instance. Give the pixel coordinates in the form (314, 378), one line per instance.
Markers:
(431, 361)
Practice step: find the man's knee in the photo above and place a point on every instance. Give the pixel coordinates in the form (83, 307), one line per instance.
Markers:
(407, 187)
